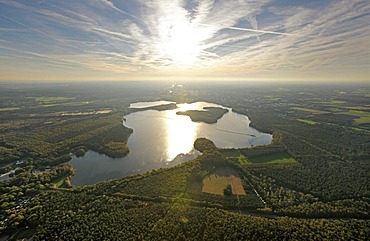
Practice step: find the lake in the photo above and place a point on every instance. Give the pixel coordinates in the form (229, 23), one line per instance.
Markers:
(163, 139)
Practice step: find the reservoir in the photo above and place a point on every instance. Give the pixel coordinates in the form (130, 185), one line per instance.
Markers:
(164, 139)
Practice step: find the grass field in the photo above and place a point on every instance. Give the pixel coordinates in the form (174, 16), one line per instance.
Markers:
(312, 111)
(232, 153)
(333, 102)
(358, 113)
(363, 116)
(307, 121)
(217, 181)
(274, 98)
(9, 108)
(362, 120)
(273, 158)
(268, 158)
(52, 104)
(52, 99)
(360, 108)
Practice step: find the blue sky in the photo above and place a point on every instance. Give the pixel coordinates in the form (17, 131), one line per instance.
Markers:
(189, 39)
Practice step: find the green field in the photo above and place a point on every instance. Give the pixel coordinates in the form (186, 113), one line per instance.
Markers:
(315, 112)
(273, 158)
(274, 98)
(235, 154)
(9, 108)
(52, 104)
(362, 120)
(360, 108)
(267, 158)
(363, 116)
(307, 121)
(333, 102)
(52, 99)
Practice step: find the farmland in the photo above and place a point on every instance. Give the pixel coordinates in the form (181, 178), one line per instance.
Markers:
(310, 122)
(361, 117)
(278, 157)
(260, 155)
(217, 181)
(312, 111)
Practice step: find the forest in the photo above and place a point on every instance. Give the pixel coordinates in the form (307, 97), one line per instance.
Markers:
(320, 191)
(208, 115)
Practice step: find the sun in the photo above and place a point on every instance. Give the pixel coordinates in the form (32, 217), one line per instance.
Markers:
(180, 40)
(183, 46)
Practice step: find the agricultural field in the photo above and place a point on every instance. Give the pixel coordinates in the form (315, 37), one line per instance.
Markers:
(310, 122)
(217, 181)
(235, 155)
(363, 120)
(9, 109)
(265, 156)
(363, 117)
(274, 158)
(48, 99)
(312, 111)
(332, 102)
(361, 108)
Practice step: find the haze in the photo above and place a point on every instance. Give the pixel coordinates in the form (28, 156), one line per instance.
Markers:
(185, 40)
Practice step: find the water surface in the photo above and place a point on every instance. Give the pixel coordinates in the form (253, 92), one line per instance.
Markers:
(162, 138)
(145, 104)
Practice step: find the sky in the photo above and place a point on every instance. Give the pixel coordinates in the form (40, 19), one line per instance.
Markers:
(297, 40)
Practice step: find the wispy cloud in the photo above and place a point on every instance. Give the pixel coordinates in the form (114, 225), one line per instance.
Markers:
(202, 37)
(110, 3)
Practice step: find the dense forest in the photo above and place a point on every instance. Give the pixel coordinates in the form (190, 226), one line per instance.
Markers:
(161, 204)
(311, 182)
(208, 115)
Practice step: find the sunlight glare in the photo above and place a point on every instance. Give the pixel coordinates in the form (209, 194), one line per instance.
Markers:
(180, 39)
(181, 134)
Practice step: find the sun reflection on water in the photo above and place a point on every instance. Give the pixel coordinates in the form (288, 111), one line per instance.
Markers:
(181, 134)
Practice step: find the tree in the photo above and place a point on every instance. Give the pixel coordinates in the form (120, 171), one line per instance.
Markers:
(228, 190)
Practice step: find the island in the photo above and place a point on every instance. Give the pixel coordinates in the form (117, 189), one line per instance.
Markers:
(209, 115)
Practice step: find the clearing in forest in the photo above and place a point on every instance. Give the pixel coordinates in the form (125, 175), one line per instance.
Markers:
(363, 116)
(312, 111)
(265, 157)
(310, 122)
(235, 155)
(217, 181)
(273, 158)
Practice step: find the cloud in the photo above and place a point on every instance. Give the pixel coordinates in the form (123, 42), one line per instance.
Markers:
(256, 30)
(239, 38)
(111, 4)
